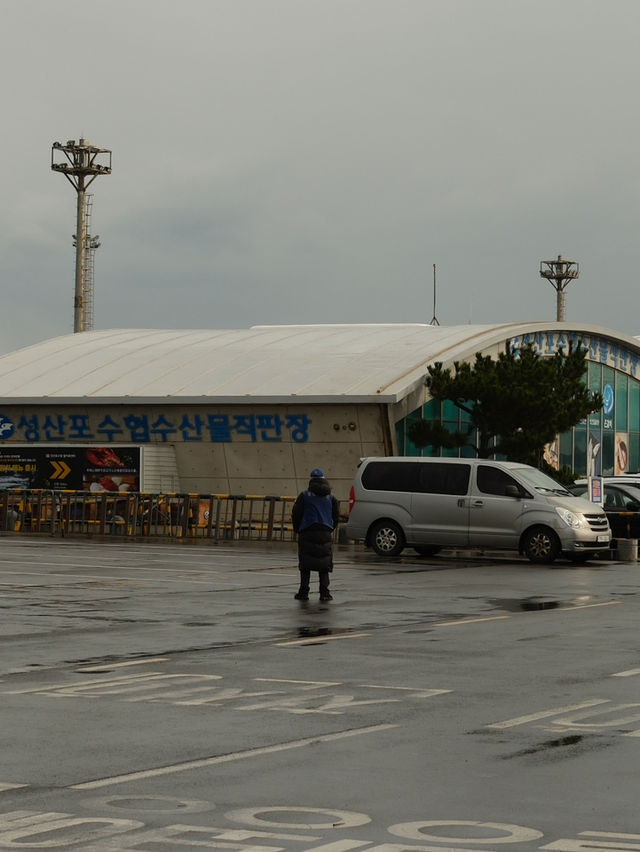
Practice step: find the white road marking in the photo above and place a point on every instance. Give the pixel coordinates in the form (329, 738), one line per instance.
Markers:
(508, 833)
(470, 621)
(227, 758)
(19, 826)
(315, 640)
(609, 842)
(264, 817)
(107, 668)
(628, 673)
(544, 714)
(6, 786)
(300, 682)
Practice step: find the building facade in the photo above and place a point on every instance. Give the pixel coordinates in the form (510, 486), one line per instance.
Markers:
(253, 411)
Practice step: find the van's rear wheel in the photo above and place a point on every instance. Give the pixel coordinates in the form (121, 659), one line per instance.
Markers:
(541, 545)
(387, 538)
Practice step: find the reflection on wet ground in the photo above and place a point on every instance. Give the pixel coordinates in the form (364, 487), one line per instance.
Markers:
(537, 602)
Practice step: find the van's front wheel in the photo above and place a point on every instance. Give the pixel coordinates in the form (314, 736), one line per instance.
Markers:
(387, 538)
(541, 545)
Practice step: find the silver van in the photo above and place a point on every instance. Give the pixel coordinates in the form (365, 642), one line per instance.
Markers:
(429, 503)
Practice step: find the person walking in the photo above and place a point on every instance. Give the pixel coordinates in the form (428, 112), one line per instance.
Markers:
(315, 516)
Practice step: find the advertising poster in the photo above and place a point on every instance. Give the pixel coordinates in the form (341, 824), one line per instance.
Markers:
(70, 468)
(622, 453)
(596, 492)
(594, 458)
(552, 453)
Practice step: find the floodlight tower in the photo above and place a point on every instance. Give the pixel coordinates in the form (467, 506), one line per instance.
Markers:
(81, 164)
(559, 272)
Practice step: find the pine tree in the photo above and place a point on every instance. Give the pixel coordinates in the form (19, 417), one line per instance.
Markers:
(516, 403)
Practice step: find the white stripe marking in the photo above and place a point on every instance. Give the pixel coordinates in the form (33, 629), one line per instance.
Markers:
(544, 714)
(469, 621)
(107, 668)
(226, 758)
(314, 640)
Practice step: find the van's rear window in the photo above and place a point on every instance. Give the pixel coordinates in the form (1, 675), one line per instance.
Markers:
(390, 476)
(432, 478)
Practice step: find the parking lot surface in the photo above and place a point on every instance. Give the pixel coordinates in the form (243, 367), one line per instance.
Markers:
(176, 696)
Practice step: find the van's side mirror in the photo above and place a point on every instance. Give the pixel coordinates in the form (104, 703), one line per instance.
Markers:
(512, 491)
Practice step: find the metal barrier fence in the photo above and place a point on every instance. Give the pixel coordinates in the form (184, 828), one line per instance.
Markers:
(211, 516)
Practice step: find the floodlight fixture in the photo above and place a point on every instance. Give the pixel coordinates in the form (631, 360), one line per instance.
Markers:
(559, 273)
(81, 163)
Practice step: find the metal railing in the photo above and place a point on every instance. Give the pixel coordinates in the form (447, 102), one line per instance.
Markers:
(210, 516)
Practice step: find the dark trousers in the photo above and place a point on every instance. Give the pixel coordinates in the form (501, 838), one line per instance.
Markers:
(305, 578)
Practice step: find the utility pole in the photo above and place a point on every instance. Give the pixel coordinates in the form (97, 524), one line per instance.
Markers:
(434, 318)
(80, 163)
(560, 273)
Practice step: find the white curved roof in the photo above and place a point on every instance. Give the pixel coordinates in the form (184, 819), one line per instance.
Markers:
(306, 363)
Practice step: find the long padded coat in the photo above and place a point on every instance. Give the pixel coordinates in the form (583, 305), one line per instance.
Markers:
(315, 538)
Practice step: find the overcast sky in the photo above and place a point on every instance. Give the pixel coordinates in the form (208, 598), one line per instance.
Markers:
(309, 161)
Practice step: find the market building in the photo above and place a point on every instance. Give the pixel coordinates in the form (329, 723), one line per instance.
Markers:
(252, 411)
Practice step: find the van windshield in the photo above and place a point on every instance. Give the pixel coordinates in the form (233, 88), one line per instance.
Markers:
(540, 481)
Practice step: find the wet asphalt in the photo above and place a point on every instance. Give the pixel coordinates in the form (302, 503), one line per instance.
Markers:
(160, 696)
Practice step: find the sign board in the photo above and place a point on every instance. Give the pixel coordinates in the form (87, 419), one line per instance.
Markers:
(112, 468)
(596, 490)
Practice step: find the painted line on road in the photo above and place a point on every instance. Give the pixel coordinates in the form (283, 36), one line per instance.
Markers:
(470, 621)
(544, 714)
(5, 786)
(628, 673)
(107, 668)
(227, 758)
(315, 640)
(299, 682)
(502, 617)
(208, 578)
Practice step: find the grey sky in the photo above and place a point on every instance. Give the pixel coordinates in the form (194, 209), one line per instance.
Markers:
(286, 161)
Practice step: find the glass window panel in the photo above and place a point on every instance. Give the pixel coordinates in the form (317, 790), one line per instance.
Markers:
(408, 447)
(608, 449)
(450, 426)
(634, 405)
(566, 450)
(450, 411)
(634, 451)
(594, 376)
(622, 385)
(580, 451)
(432, 410)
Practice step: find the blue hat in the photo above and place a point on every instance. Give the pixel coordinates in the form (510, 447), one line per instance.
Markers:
(316, 473)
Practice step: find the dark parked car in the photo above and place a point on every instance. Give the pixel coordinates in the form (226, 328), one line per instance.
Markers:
(621, 504)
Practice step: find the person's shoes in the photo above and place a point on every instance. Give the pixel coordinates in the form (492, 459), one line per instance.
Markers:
(301, 596)
(325, 596)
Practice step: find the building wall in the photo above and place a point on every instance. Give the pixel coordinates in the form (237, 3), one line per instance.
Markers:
(239, 449)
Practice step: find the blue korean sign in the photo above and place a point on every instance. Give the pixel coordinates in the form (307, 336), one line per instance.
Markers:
(159, 428)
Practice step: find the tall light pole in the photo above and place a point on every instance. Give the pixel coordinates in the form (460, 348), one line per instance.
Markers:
(80, 163)
(560, 273)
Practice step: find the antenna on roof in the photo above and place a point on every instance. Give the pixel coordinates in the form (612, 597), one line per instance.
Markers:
(434, 318)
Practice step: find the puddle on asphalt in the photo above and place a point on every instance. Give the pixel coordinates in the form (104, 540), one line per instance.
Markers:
(307, 632)
(538, 602)
(549, 745)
